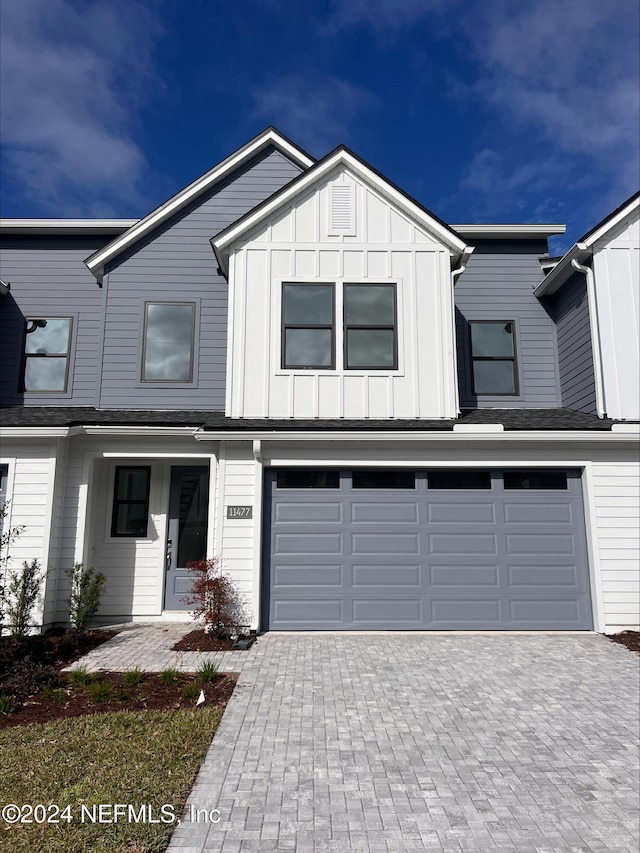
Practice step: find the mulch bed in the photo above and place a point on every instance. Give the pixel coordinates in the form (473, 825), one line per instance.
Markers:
(31, 675)
(150, 694)
(630, 639)
(200, 641)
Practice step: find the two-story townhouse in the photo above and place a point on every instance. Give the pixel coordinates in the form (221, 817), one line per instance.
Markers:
(375, 419)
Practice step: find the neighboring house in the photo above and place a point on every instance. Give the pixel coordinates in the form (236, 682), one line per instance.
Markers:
(377, 420)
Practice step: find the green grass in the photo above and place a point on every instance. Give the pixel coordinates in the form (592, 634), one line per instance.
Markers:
(101, 691)
(80, 677)
(132, 677)
(147, 757)
(169, 676)
(207, 672)
(190, 692)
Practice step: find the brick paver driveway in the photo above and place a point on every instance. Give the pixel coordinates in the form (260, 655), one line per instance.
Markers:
(399, 742)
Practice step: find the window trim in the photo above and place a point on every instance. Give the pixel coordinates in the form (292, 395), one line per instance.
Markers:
(117, 502)
(346, 327)
(170, 383)
(512, 358)
(65, 391)
(284, 326)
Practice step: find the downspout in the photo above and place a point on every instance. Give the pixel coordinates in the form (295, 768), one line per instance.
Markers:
(595, 331)
(455, 273)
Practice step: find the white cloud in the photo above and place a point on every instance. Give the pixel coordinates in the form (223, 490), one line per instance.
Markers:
(316, 113)
(73, 77)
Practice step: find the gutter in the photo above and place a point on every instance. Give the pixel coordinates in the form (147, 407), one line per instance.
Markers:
(595, 330)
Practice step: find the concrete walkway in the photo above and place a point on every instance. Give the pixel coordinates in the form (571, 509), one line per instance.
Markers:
(443, 742)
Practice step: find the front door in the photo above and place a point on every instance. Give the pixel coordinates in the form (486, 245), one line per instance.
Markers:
(187, 530)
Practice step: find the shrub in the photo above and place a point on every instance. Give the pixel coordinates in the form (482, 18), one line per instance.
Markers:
(87, 587)
(101, 691)
(80, 677)
(207, 672)
(55, 693)
(21, 595)
(169, 676)
(7, 705)
(190, 692)
(7, 538)
(215, 598)
(132, 677)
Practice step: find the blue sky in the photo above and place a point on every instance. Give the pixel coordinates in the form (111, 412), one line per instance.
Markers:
(484, 110)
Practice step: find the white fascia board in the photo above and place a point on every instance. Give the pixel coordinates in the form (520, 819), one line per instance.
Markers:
(34, 432)
(97, 261)
(546, 436)
(138, 431)
(224, 240)
(612, 222)
(65, 226)
(554, 279)
(509, 231)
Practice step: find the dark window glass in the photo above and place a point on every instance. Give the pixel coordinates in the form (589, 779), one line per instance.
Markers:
(459, 479)
(370, 327)
(168, 342)
(308, 479)
(46, 353)
(383, 480)
(307, 325)
(493, 357)
(551, 480)
(131, 501)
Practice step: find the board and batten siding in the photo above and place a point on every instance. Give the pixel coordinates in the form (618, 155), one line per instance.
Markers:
(497, 284)
(616, 267)
(575, 346)
(177, 264)
(48, 278)
(616, 495)
(295, 246)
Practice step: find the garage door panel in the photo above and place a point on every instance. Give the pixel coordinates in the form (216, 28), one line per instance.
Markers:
(303, 512)
(386, 513)
(463, 543)
(464, 576)
(455, 611)
(455, 513)
(392, 577)
(538, 513)
(385, 543)
(297, 575)
(549, 544)
(399, 611)
(308, 543)
(390, 558)
(543, 576)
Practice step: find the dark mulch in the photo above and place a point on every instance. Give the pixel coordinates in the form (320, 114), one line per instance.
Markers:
(57, 647)
(200, 641)
(150, 694)
(630, 639)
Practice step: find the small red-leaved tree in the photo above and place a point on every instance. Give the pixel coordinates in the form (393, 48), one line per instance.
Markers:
(215, 598)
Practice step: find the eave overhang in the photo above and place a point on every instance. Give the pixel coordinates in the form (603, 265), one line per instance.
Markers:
(339, 157)
(509, 232)
(268, 138)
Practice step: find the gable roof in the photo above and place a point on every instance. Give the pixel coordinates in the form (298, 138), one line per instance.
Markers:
(268, 138)
(340, 156)
(583, 248)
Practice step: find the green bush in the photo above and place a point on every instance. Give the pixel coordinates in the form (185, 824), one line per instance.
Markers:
(169, 676)
(132, 677)
(101, 691)
(80, 677)
(7, 705)
(21, 595)
(207, 672)
(87, 587)
(190, 692)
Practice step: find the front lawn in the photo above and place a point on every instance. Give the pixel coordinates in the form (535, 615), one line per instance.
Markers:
(144, 759)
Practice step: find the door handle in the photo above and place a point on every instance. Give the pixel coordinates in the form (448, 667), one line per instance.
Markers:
(168, 554)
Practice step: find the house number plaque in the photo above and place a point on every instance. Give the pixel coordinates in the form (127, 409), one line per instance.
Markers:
(239, 512)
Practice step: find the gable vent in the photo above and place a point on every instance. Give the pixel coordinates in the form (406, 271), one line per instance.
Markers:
(342, 213)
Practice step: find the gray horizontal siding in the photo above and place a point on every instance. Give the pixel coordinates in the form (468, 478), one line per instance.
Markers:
(498, 285)
(49, 279)
(177, 264)
(575, 353)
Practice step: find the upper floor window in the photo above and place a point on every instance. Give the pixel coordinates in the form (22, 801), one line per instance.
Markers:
(493, 357)
(370, 327)
(46, 353)
(168, 342)
(308, 325)
(369, 334)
